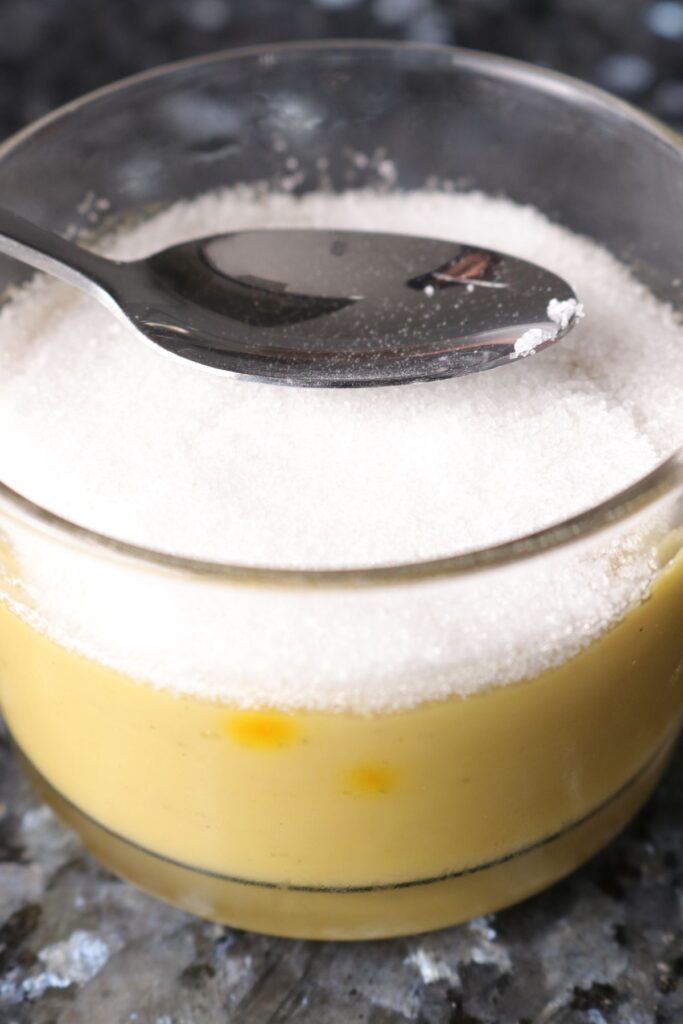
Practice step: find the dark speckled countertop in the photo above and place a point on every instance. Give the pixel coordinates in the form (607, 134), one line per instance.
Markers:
(77, 946)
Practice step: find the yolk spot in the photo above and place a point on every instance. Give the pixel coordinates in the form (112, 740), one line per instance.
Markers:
(262, 729)
(372, 778)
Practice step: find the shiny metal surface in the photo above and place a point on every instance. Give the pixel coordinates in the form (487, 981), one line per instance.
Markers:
(316, 308)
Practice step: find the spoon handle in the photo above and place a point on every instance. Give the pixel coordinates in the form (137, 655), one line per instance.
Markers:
(48, 251)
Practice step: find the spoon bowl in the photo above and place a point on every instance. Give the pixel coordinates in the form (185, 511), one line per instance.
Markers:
(320, 308)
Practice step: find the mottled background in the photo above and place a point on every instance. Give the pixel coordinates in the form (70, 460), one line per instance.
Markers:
(80, 947)
(53, 50)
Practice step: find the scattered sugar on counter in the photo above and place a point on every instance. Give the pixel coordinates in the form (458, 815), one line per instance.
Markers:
(118, 437)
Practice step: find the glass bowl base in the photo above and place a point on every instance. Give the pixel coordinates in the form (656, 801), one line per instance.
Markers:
(373, 912)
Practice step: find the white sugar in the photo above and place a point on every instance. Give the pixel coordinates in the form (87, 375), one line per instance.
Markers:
(528, 342)
(116, 436)
(327, 478)
(562, 312)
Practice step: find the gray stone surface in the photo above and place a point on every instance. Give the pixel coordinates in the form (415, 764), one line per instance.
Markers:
(78, 946)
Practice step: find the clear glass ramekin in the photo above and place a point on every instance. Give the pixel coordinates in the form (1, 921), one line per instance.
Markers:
(325, 823)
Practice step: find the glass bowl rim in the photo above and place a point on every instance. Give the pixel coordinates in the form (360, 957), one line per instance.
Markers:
(646, 491)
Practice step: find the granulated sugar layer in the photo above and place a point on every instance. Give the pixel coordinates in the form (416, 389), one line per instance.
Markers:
(104, 430)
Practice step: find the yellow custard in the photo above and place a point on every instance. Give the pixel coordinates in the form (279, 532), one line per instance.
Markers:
(338, 825)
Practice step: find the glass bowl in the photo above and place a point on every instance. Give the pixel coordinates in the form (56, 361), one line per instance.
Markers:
(326, 823)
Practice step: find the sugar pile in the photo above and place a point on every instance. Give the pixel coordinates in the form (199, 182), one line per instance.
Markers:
(116, 436)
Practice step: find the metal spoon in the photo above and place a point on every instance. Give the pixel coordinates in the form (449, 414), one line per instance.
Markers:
(319, 308)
